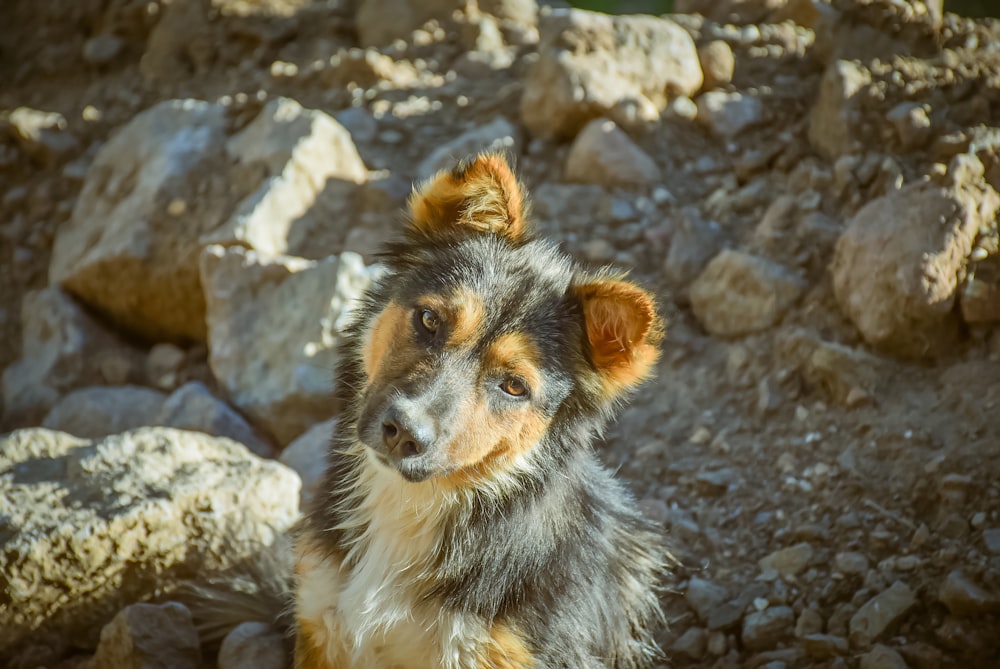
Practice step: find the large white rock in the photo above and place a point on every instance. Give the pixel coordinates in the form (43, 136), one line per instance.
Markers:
(131, 246)
(592, 64)
(169, 183)
(301, 150)
(274, 328)
(90, 526)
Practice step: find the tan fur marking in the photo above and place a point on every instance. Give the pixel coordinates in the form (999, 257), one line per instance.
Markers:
(310, 651)
(517, 354)
(463, 313)
(623, 329)
(468, 315)
(485, 197)
(490, 442)
(384, 337)
(506, 650)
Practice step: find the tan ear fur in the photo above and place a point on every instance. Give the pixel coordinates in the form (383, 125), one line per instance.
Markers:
(624, 331)
(482, 195)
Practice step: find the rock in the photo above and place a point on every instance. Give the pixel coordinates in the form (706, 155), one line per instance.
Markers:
(825, 646)
(307, 456)
(486, 49)
(834, 117)
(991, 539)
(739, 294)
(102, 49)
(912, 125)
(92, 525)
(42, 136)
(964, 598)
(590, 64)
(253, 644)
(168, 183)
(897, 267)
(764, 629)
(922, 655)
(194, 407)
(788, 561)
(728, 113)
(301, 150)
(725, 616)
(366, 68)
(179, 42)
(850, 563)
(149, 636)
(810, 621)
(560, 209)
(737, 11)
(694, 242)
(882, 657)
(499, 135)
(163, 365)
(717, 643)
(603, 154)
(518, 19)
(979, 296)
(274, 327)
(359, 122)
(121, 227)
(62, 348)
(843, 374)
(880, 614)
(717, 63)
(703, 596)
(98, 411)
(379, 22)
(692, 644)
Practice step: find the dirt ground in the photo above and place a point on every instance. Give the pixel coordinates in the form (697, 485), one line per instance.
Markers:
(736, 447)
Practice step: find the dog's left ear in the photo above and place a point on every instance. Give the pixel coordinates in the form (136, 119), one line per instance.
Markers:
(481, 195)
(624, 332)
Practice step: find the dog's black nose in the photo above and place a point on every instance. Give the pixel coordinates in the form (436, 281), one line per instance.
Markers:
(398, 440)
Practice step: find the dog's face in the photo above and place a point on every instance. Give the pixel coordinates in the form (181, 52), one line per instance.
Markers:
(479, 338)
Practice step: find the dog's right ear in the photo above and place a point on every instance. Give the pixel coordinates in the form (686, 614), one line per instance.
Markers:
(624, 332)
(481, 195)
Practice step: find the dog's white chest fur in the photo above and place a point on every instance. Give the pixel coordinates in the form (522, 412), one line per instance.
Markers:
(369, 614)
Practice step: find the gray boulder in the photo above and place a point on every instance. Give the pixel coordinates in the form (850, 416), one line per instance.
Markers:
(98, 411)
(274, 328)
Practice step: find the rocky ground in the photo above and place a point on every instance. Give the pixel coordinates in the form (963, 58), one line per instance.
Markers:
(191, 193)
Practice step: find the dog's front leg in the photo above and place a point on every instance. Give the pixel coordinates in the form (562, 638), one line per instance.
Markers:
(313, 650)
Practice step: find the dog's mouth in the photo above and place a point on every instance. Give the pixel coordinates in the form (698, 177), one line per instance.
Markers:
(414, 472)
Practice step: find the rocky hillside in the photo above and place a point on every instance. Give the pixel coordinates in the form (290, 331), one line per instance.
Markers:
(192, 193)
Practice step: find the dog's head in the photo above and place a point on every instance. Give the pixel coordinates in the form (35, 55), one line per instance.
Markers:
(481, 340)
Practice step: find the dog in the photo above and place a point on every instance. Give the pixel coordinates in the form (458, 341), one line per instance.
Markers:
(464, 520)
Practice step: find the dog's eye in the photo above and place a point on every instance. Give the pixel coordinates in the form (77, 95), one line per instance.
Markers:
(514, 387)
(429, 320)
